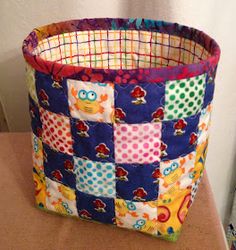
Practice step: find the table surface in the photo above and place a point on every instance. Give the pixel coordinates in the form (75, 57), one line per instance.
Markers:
(25, 227)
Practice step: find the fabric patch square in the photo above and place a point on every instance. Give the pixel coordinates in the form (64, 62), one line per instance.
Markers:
(210, 87)
(179, 137)
(172, 212)
(139, 103)
(60, 198)
(137, 143)
(204, 124)
(52, 94)
(56, 131)
(96, 178)
(137, 182)
(59, 167)
(30, 81)
(36, 124)
(141, 216)
(39, 187)
(93, 140)
(91, 101)
(201, 152)
(175, 175)
(96, 208)
(194, 190)
(184, 98)
(37, 153)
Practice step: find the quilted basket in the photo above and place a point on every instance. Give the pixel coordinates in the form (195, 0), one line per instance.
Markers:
(120, 112)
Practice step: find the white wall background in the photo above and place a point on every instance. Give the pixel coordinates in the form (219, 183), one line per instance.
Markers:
(215, 17)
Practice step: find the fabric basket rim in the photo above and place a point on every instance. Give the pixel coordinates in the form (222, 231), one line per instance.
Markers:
(152, 75)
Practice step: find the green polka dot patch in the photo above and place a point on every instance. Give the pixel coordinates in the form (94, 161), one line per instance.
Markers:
(184, 97)
(96, 178)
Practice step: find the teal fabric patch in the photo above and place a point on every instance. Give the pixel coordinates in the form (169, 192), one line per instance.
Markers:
(96, 178)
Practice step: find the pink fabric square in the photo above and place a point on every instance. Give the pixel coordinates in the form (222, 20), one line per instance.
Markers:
(56, 131)
(137, 143)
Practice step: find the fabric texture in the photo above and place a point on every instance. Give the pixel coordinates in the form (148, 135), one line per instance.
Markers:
(137, 143)
(120, 113)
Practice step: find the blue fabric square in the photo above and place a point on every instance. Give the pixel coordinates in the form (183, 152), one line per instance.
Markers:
(179, 137)
(52, 95)
(138, 182)
(36, 123)
(209, 91)
(96, 208)
(93, 140)
(139, 103)
(59, 167)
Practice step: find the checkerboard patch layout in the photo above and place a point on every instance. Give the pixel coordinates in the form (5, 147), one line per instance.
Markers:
(120, 114)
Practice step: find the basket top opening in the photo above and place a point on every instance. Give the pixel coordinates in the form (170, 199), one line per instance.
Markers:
(119, 44)
(120, 49)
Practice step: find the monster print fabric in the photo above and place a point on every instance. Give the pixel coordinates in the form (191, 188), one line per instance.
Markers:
(120, 114)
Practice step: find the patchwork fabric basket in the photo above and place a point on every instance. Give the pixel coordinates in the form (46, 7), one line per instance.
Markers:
(120, 113)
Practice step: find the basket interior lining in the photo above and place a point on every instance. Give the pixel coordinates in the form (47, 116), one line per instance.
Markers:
(120, 49)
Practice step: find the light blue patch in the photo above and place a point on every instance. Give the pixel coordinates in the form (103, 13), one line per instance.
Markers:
(80, 163)
(99, 174)
(90, 174)
(90, 182)
(89, 165)
(109, 167)
(110, 191)
(99, 166)
(109, 175)
(81, 179)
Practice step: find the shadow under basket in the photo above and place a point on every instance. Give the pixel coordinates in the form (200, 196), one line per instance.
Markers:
(120, 113)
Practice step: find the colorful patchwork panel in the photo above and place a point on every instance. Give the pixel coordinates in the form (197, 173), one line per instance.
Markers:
(101, 209)
(36, 123)
(52, 94)
(179, 137)
(176, 174)
(137, 182)
(93, 140)
(59, 167)
(39, 188)
(137, 143)
(139, 103)
(37, 153)
(141, 216)
(210, 87)
(120, 114)
(184, 98)
(91, 101)
(60, 198)
(30, 81)
(204, 124)
(56, 131)
(96, 178)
